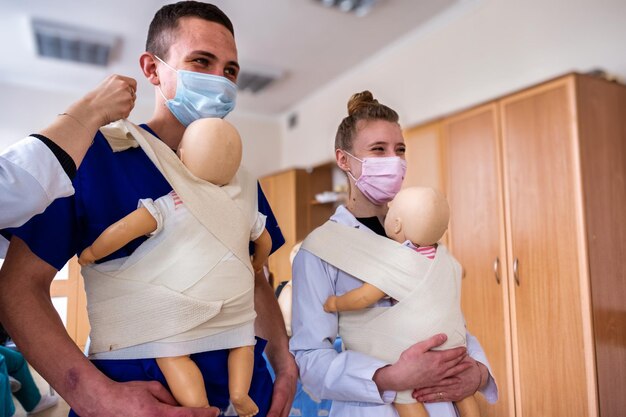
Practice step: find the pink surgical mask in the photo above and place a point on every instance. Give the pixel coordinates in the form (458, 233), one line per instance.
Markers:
(381, 178)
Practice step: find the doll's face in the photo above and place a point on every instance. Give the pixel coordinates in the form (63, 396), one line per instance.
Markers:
(417, 214)
(211, 149)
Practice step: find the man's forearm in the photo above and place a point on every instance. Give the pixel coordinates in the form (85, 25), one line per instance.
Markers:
(26, 311)
(269, 323)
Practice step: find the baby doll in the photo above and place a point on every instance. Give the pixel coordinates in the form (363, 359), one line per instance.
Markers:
(211, 150)
(417, 217)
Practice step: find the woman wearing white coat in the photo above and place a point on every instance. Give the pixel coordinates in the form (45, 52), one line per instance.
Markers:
(370, 149)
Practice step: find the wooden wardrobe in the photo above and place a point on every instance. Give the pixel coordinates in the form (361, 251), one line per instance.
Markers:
(291, 194)
(536, 182)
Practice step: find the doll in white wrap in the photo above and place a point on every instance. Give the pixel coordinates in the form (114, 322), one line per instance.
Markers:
(417, 218)
(211, 150)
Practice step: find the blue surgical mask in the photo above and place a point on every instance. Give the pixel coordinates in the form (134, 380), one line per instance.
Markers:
(199, 96)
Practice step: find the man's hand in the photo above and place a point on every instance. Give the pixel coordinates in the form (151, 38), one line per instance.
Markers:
(138, 399)
(455, 387)
(420, 367)
(284, 388)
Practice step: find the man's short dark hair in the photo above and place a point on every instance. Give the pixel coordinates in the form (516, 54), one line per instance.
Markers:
(165, 22)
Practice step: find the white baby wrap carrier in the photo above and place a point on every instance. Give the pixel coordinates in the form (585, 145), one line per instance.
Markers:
(428, 292)
(176, 286)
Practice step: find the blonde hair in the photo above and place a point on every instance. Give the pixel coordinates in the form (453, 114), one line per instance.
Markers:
(361, 106)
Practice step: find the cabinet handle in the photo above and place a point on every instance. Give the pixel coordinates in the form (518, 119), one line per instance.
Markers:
(515, 271)
(496, 267)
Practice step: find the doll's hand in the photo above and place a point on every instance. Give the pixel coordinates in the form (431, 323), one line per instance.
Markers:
(330, 306)
(86, 257)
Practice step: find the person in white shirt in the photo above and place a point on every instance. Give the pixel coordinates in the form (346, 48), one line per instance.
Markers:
(39, 168)
(370, 149)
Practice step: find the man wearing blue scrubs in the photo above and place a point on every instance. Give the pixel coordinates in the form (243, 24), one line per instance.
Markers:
(191, 60)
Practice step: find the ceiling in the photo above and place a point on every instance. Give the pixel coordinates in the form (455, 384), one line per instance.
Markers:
(310, 45)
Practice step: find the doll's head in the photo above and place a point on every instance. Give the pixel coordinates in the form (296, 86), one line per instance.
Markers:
(211, 150)
(418, 214)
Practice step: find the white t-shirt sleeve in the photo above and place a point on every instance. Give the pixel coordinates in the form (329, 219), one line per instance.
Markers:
(30, 179)
(156, 212)
(258, 227)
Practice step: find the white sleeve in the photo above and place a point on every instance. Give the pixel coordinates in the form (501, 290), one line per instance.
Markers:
(155, 211)
(30, 179)
(258, 227)
(327, 374)
(476, 352)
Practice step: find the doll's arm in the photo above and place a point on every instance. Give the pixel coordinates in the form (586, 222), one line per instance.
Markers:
(356, 299)
(262, 248)
(138, 223)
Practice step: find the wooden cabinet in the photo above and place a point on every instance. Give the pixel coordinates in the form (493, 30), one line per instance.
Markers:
(291, 195)
(424, 151)
(537, 189)
(476, 237)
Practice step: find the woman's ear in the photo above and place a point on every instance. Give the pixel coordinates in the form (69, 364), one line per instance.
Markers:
(342, 160)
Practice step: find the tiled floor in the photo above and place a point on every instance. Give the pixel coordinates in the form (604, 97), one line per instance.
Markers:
(59, 410)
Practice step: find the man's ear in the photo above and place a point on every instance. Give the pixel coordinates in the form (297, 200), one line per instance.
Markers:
(148, 67)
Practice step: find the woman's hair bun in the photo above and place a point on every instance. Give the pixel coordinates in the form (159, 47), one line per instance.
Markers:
(359, 101)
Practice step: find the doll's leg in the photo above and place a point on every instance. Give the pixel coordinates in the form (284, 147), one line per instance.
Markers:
(411, 410)
(185, 381)
(240, 365)
(468, 407)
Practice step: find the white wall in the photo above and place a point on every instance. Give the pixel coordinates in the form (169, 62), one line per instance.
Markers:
(262, 142)
(26, 110)
(476, 52)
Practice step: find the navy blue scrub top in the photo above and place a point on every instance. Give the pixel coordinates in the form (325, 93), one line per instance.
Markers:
(108, 186)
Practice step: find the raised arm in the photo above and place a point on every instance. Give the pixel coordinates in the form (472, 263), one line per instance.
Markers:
(74, 129)
(39, 169)
(138, 223)
(356, 299)
(27, 313)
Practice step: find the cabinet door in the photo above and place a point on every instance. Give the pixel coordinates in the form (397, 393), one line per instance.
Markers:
(287, 193)
(280, 191)
(540, 165)
(423, 157)
(476, 238)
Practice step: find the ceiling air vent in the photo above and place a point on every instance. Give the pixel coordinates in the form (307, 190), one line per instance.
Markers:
(358, 7)
(256, 80)
(73, 43)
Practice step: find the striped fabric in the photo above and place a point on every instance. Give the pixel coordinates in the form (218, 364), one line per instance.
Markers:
(176, 198)
(427, 251)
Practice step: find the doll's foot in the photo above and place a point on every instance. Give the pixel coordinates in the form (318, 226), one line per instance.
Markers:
(244, 406)
(330, 306)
